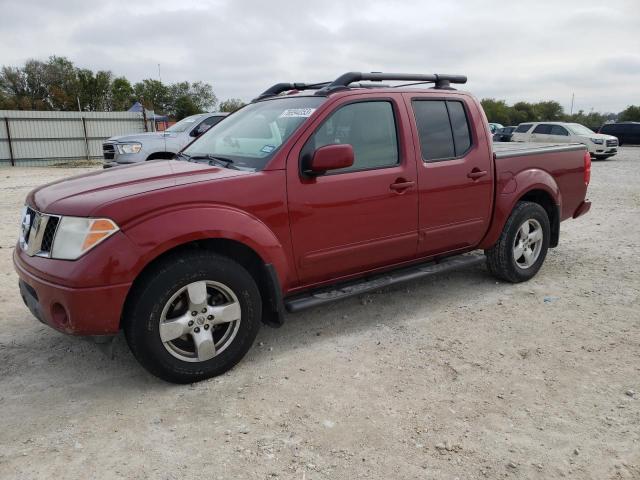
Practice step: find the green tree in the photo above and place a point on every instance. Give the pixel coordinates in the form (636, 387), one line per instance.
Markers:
(231, 105)
(122, 95)
(153, 94)
(183, 106)
(61, 81)
(548, 111)
(497, 111)
(630, 114)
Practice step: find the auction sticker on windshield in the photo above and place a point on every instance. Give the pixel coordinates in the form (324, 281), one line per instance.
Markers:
(297, 112)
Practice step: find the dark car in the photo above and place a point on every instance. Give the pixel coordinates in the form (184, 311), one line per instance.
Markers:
(504, 134)
(627, 132)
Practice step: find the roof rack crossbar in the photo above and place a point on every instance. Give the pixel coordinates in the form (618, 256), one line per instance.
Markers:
(284, 87)
(443, 81)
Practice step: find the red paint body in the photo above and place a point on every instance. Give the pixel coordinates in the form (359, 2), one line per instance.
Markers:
(313, 231)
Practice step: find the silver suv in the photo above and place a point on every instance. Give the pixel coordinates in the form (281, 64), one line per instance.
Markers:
(140, 147)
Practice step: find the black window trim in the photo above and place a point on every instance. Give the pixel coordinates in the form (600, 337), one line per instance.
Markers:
(466, 114)
(394, 110)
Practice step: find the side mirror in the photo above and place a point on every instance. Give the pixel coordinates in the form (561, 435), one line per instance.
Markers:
(195, 132)
(331, 157)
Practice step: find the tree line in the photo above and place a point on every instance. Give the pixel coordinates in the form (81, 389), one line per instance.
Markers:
(57, 84)
(551, 111)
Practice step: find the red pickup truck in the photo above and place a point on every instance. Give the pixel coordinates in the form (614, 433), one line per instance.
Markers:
(309, 194)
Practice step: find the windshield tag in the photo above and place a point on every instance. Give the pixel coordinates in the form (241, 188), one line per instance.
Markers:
(297, 112)
(268, 148)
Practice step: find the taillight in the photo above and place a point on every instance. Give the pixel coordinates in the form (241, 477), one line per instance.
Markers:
(587, 168)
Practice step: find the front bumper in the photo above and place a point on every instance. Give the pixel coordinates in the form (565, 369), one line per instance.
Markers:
(71, 310)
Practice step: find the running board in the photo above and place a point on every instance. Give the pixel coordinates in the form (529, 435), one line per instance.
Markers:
(350, 289)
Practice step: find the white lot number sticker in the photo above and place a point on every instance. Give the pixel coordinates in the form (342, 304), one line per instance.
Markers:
(297, 112)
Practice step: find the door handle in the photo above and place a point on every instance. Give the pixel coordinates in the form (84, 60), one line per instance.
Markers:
(476, 174)
(401, 185)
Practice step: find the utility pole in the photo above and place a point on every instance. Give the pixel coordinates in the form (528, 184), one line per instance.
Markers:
(573, 97)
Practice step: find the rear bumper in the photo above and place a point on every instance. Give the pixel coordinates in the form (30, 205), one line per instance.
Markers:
(583, 208)
(75, 311)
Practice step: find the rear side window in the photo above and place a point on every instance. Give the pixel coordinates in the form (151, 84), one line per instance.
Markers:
(543, 129)
(522, 128)
(369, 127)
(443, 129)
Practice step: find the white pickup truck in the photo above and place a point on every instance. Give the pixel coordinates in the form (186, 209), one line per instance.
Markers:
(140, 147)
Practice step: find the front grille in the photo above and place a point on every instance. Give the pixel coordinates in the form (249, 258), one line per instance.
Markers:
(27, 221)
(37, 232)
(49, 234)
(612, 143)
(108, 151)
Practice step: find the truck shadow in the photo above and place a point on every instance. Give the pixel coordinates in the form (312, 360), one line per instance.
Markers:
(44, 359)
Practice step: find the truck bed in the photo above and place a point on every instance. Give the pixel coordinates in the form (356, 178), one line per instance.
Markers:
(520, 149)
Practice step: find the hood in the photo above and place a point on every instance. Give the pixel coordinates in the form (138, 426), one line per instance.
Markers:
(599, 136)
(81, 195)
(141, 137)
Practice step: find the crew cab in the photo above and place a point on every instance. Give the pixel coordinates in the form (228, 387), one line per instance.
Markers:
(309, 194)
(600, 146)
(140, 147)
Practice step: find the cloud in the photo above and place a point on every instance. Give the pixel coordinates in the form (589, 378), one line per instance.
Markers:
(515, 51)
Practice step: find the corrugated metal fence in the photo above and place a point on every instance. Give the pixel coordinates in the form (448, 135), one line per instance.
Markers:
(34, 138)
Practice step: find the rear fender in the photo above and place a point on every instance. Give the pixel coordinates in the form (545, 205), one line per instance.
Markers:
(510, 189)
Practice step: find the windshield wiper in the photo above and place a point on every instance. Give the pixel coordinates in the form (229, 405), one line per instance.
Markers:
(211, 160)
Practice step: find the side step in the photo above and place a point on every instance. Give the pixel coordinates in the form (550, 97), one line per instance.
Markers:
(356, 287)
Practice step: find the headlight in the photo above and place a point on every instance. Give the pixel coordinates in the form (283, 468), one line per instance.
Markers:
(597, 141)
(76, 236)
(129, 147)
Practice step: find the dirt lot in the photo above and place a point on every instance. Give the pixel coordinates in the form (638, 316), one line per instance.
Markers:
(454, 377)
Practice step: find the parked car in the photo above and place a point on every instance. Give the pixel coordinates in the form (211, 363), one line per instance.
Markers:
(126, 149)
(503, 134)
(494, 127)
(600, 146)
(292, 202)
(625, 132)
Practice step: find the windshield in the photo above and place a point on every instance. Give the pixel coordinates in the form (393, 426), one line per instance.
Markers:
(184, 124)
(251, 136)
(580, 129)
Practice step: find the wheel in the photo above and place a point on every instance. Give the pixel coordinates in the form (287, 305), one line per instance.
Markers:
(522, 247)
(193, 316)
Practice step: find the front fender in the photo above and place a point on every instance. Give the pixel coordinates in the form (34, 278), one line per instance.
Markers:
(510, 189)
(167, 230)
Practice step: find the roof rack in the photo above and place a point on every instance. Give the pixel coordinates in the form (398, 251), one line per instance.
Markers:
(343, 82)
(442, 81)
(285, 87)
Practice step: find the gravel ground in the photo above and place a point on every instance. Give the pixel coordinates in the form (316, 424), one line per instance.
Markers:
(458, 376)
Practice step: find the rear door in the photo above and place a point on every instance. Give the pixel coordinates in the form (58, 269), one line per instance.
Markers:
(455, 174)
(541, 133)
(361, 217)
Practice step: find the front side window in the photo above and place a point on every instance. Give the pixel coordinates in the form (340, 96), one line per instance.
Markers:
(252, 135)
(369, 127)
(443, 129)
(559, 130)
(542, 129)
(523, 127)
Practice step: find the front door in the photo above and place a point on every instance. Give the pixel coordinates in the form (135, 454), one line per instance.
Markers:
(364, 216)
(455, 173)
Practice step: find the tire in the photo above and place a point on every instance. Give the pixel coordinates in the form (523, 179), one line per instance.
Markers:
(161, 324)
(501, 258)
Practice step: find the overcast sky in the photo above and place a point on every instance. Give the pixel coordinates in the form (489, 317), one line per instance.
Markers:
(511, 50)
